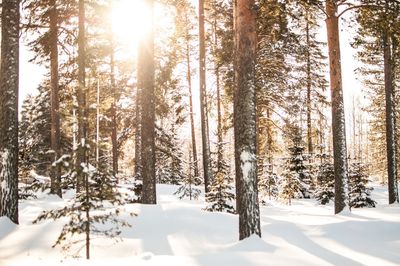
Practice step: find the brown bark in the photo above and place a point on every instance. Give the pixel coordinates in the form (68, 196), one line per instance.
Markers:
(203, 101)
(245, 119)
(55, 173)
(146, 86)
(114, 140)
(9, 74)
(390, 121)
(309, 128)
(338, 116)
(189, 79)
(81, 97)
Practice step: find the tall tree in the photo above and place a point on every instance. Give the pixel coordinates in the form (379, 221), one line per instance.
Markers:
(9, 74)
(245, 119)
(203, 101)
(376, 39)
(81, 98)
(55, 174)
(146, 86)
(338, 116)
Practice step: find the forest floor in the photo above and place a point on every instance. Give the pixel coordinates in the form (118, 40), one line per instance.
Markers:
(178, 232)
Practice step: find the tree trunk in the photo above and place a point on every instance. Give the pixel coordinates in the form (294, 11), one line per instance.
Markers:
(338, 116)
(138, 134)
(55, 173)
(219, 107)
(146, 86)
(81, 97)
(245, 119)
(203, 100)
(114, 140)
(390, 121)
(189, 79)
(9, 74)
(309, 129)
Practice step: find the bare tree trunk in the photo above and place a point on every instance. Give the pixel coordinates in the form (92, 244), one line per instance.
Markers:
(219, 106)
(81, 97)
(390, 121)
(309, 128)
(189, 79)
(114, 140)
(9, 74)
(55, 173)
(203, 101)
(146, 86)
(138, 121)
(245, 119)
(338, 116)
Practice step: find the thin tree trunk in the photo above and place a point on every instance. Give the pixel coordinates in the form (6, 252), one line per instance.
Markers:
(203, 101)
(146, 85)
(338, 116)
(268, 151)
(81, 97)
(390, 121)
(219, 107)
(55, 173)
(114, 140)
(189, 79)
(87, 213)
(138, 121)
(309, 128)
(9, 74)
(245, 119)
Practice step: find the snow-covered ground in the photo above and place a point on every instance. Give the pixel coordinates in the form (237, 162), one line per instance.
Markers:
(178, 232)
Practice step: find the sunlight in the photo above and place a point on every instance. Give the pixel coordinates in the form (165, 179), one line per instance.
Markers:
(131, 21)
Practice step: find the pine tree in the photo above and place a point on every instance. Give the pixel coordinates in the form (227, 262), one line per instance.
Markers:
(219, 197)
(359, 192)
(147, 89)
(268, 185)
(245, 119)
(325, 191)
(88, 210)
(298, 179)
(9, 75)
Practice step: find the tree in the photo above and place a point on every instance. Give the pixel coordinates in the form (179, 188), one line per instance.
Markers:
(359, 192)
(377, 37)
(219, 197)
(87, 211)
(325, 191)
(55, 174)
(145, 78)
(9, 74)
(203, 101)
(81, 150)
(245, 119)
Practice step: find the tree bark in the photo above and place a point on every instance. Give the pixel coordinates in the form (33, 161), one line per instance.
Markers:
(114, 123)
(189, 79)
(309, 129)
(390, 121)
(9, 74)
(146, 86)
(55, 173)
(138, 134)
(338, 116)
(81, 97)
(245, 119)
(203, 101)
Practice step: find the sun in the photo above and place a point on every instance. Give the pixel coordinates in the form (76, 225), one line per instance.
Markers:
(131, 21)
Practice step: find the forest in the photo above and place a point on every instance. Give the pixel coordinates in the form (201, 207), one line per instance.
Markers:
(200, 132)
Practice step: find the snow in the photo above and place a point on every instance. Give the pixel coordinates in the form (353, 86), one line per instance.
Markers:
(178, 232)
(247, 161)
